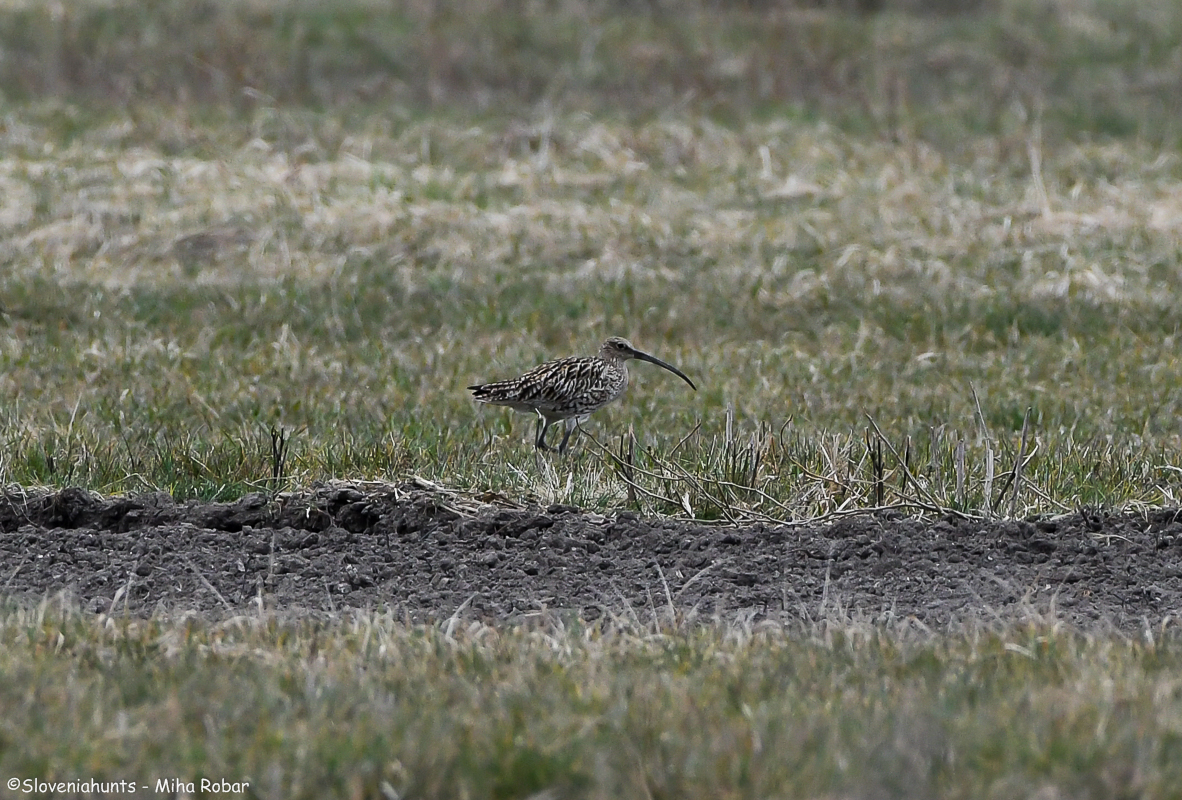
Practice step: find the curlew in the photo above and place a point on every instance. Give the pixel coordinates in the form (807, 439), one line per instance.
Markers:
(570, 389)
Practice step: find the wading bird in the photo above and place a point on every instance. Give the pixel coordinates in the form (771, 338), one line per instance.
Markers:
(570, 388)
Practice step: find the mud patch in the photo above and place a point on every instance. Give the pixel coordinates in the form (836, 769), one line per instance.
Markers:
(425, 554)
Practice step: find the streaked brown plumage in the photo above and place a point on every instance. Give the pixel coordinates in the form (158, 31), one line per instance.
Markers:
(570, 388)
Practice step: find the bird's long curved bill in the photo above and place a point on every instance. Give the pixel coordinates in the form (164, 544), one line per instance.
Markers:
(664, 365)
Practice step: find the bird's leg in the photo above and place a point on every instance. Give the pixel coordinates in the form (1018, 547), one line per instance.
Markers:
(542, 427)
(571, 424)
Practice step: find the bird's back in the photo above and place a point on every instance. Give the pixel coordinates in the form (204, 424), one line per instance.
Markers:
(563, 388)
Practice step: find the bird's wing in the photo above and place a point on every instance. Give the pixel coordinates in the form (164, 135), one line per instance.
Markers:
(577, 380)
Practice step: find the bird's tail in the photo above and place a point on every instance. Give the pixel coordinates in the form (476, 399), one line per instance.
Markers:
(493, 392)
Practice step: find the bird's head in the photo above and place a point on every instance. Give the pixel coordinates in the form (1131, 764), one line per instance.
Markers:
(617, 348)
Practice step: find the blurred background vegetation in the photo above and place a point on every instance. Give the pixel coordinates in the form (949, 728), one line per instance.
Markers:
(936, 69)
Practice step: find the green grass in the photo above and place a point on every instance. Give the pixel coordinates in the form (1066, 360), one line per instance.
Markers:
(163, 313)
(373, 707)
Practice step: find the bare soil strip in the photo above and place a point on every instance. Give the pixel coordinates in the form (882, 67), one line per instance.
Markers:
(429, 554)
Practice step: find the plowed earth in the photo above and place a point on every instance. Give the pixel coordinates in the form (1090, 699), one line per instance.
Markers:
(428, 555)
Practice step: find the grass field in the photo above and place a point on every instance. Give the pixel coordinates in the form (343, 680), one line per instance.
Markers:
(256, 246)
(370, 708)
(163, 312)
(180, 280)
